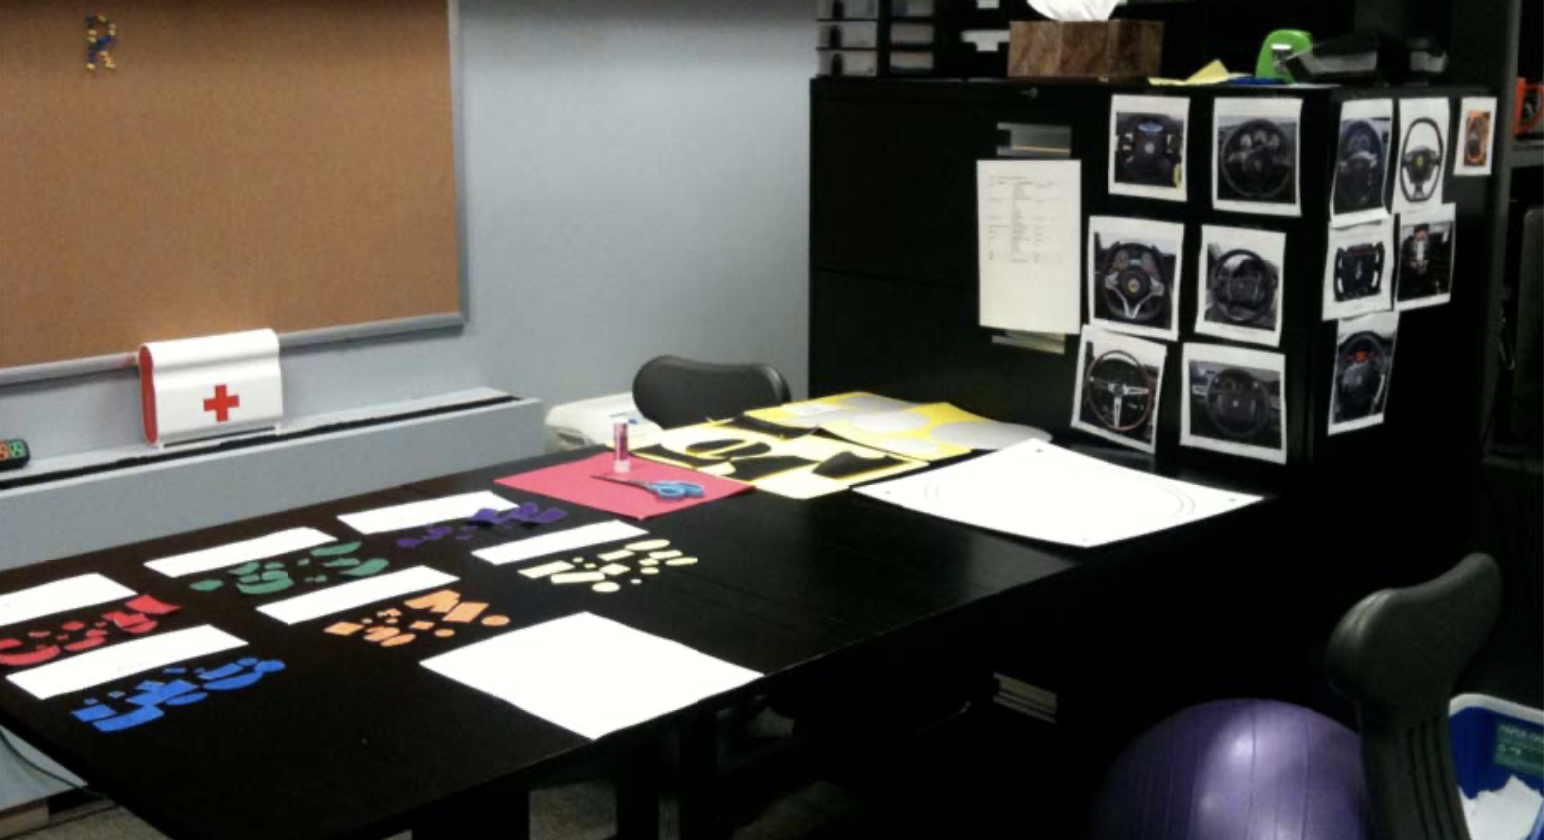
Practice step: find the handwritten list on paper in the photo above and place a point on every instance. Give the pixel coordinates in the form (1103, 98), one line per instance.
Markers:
(1028, 216)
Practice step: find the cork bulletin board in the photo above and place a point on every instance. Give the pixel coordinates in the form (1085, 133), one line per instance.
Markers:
(245, 164)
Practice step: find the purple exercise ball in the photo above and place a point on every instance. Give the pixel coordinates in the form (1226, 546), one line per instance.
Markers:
(1237, 770)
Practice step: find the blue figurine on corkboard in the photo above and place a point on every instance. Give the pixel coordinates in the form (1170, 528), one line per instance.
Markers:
(101, 33)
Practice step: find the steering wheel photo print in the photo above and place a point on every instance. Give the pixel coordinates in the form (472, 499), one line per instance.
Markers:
(1364, 368)
(1420, 167)
(1359, 269)
(1240, 284)
(1234, 402)
(1359, 165)
(1147, 146)
(1421, 164)
(1136, 288)
(1120, 381)
(1255, 155)
(1134, 272)
(1242, 287)
(1362, 159)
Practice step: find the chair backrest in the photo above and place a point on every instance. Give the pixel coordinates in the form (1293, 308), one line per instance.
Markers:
(1397, 655)
(673, 391)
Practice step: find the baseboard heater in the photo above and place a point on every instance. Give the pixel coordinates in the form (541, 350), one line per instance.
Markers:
(40, 472)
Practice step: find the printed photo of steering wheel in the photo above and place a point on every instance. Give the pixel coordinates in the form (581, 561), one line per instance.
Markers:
(1361, 377)
(1359, 165)
(1134, 282)
(1148, 150)
(1242, 286)
(1257, 162)
(1358, 271)
(1420, 170)
(1119, 391)
(1238, 403)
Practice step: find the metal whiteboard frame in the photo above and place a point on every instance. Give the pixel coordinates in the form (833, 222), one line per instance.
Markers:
(74, 368)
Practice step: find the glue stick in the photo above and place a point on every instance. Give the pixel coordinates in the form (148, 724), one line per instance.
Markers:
(621, 462)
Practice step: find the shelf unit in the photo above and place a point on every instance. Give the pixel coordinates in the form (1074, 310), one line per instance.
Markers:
(1527, 154)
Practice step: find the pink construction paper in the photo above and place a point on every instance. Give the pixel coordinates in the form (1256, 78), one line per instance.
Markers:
(575, 482)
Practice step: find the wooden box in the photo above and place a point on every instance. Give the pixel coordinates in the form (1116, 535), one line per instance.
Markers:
(1101, 49)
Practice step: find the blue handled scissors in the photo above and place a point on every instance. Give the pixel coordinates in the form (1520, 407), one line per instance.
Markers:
(669, 491)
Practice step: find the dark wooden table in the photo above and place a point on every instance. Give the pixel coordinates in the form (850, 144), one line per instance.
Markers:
(355, 740)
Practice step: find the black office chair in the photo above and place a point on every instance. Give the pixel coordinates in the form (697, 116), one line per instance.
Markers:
(1397, 655)
(1262, 767)
(673, 391)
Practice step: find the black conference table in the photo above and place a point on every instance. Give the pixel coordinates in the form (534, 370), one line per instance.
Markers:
(356, 740)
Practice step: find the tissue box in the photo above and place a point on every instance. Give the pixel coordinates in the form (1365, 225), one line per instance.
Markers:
(1101, 49)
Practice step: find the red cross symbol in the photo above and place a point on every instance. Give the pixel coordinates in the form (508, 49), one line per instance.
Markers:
(222, 403)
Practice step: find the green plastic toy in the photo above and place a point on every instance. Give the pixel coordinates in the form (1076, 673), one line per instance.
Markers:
(1278, 45)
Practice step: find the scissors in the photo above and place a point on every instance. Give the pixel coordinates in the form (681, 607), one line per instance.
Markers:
(669, 491)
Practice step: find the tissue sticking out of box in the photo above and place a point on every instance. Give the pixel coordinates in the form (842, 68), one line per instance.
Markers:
(1075, 10)
(1509, 812)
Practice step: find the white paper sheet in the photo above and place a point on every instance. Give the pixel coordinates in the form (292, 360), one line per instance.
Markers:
(1127, 291)
(221, 556)
(1423, 138)
(1362, 158)
(59, 596)
(1354, 248)
(1236, 122)
(1224, 309)
(1044, 492)
(1027, 223)
(1475, 144)
(123, 660)
(357, 594)
(1243, 414)
(1112, 398)
(570, 540)
(1151, 128)
(416, 514)
(588, 674)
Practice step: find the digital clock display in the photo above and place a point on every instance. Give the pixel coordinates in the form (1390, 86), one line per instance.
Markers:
(14, 454)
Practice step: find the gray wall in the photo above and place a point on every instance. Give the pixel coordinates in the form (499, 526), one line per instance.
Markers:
(636, 183)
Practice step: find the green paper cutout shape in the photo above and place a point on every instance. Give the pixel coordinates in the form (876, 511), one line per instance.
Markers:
(266, 588)
(367, 568)
(335, 550)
